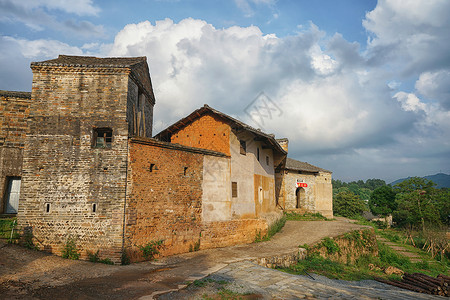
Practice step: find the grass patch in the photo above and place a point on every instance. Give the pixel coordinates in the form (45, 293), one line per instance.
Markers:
(293, 216)
(365, 267)
(7, 226)
(273, 229)
(332, 269)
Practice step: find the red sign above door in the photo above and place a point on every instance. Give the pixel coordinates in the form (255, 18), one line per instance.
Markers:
(302, 184)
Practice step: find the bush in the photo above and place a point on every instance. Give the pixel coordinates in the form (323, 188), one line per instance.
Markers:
(347, 204)
(151, 249)
(70, 250)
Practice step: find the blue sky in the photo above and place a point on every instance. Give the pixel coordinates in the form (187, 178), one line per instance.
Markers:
(361, 88)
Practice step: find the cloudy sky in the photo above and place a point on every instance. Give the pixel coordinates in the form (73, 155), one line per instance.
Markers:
(361, 88)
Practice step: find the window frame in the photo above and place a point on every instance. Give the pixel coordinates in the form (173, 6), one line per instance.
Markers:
(107, 133)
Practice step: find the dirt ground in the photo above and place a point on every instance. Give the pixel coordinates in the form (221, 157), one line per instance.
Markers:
(29, 274)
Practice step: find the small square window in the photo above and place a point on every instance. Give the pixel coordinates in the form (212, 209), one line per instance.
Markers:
(102, 137)
(243, 147)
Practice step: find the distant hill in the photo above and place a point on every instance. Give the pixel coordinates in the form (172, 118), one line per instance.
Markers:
(442, 180)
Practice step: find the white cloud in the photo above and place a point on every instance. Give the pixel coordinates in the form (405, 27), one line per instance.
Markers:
(326, 103)
(436, 86)
(410, 102)
(79, 7)
(40, 15)
(412, 34)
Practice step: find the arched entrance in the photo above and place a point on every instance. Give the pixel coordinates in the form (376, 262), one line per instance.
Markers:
(301, 197)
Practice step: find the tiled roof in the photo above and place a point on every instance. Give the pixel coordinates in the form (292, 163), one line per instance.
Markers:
(292, 164)
(15, 94)
(206, 108)
(92, 62)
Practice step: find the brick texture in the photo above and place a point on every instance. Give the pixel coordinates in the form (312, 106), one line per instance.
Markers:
(164, 202)
(61, 168)
(14, 111)
(207, 132)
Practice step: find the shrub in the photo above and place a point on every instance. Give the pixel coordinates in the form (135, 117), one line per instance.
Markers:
(151, 249)
(70, 250)
(125, 259)
(331, 246)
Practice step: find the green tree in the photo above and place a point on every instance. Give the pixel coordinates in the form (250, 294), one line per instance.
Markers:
(441, 200)
(372, 184)
(347, 204)
(382, 201)
(415, 203)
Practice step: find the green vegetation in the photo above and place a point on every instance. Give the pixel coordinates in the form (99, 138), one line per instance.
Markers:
(382, 201)
(347, 204)
(125, 258)
(70, 250)
(151, 249)
(293, 216)
(273, 229)
(331, 246)
(95, 258)
(365, 267)
(8, 226)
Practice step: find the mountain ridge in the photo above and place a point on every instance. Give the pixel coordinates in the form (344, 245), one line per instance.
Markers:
(442, 180)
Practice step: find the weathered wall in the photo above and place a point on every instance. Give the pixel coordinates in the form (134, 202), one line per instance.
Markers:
(62, 169)
(255, 179)
(163, 203)
(324, 195)
(14, 111)
(166, 204)
(207, 132)
(318, 193)
(216, 199)
(139, 111)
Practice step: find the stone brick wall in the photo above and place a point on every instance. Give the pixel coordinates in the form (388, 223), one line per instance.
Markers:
(207, 132)
(63, 174)
(233, 232)
(14, 111)
(164, 201)
(318, 195)
(164, 197)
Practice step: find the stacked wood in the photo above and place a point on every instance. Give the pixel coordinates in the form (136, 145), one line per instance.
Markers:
(422, 283)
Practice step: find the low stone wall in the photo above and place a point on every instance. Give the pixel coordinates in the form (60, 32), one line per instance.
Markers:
(282, 260)
(233, 232)
(347, 248)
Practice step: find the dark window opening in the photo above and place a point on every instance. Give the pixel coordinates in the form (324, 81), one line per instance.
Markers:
(243, 149)
(152, 167)
(102, 137)
(267, 160)
(234, 192)
(94, 207)
(257, 154)
(185, 170)
(47, 207)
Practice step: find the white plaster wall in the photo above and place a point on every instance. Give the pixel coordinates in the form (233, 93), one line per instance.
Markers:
(216, 198)
(242, 167)
(243, 171)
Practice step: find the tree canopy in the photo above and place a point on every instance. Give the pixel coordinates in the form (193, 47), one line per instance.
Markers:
(382, 201)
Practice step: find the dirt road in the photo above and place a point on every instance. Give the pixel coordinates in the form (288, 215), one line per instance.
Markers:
(28, 274)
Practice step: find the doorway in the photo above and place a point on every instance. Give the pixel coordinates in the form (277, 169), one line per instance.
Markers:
(301, 197)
